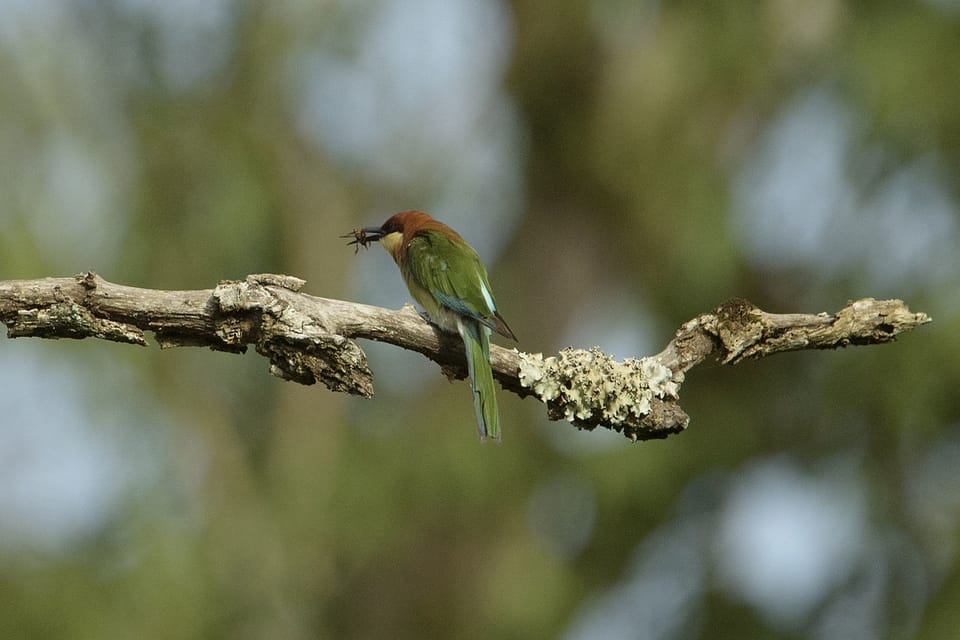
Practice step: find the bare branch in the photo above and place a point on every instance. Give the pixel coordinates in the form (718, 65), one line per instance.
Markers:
(309, 339)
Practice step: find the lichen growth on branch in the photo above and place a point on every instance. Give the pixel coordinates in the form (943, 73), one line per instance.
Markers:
(589, 384)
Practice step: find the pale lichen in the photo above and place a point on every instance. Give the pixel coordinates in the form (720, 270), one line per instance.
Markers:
(590, 385)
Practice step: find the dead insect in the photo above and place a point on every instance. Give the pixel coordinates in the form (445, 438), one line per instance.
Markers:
(360, 239)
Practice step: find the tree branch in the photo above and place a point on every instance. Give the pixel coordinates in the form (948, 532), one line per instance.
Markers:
(309, 339)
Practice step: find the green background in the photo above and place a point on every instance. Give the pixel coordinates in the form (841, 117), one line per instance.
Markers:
(621, 167)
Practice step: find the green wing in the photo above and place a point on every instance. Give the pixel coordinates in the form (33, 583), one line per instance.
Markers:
(452, 274)
(449, 275)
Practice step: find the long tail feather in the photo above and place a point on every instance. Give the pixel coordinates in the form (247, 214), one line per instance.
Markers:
(476, 341)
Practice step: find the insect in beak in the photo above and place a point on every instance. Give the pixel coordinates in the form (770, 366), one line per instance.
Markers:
(363, 237)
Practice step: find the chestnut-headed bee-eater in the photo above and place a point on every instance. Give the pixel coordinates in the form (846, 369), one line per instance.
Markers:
(444, 274)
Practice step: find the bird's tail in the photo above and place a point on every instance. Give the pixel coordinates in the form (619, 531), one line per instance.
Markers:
(476, 340)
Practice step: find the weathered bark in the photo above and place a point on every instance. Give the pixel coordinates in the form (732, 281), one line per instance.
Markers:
(309, 339)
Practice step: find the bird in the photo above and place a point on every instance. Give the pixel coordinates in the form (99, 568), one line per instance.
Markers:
(447, 278)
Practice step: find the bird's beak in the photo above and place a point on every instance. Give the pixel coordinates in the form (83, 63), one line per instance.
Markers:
(363, 237)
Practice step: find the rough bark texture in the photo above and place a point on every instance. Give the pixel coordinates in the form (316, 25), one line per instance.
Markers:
(309, 339)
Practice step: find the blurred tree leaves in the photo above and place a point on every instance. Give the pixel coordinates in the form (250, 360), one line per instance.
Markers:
(172, 146)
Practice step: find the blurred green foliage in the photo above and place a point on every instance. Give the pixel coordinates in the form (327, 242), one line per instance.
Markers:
(174, 153)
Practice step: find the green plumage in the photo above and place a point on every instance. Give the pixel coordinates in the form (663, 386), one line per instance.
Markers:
(476, 340)
(445, 275)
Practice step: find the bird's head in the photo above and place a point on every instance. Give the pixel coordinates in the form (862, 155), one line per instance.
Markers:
(392, 234)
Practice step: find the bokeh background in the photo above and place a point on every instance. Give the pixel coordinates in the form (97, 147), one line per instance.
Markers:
(621, 165)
